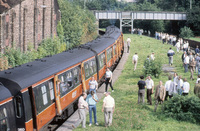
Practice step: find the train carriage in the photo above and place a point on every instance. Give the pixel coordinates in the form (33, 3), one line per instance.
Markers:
(49, 88)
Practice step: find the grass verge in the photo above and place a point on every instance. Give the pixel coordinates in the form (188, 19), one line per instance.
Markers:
(128, 114)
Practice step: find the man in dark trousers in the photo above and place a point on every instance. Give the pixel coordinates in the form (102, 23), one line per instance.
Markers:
(141, 91)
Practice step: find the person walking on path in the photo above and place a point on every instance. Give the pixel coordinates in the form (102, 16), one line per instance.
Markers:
(82, 105)
(93, 84)
(108, 79)
(186, 62)
(128, 41)
(141, 91)
(108, 109)
(150, 87)
(135, 60)
(192, 68)
(92, 99)
(170, 54)
(159, 95)
(186, 87)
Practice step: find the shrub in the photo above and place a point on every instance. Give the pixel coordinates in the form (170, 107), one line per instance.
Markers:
(186, 32)
(153, 68)
(183, 108)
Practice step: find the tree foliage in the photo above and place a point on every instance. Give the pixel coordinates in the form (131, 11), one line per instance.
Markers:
(152, 68)
(77, 23)
(186, 32)
(193, 19)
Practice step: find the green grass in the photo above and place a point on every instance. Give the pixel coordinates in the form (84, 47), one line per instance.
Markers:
(195, 39)
(128, 114)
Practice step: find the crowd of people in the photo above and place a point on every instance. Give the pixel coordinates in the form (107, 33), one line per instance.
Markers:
(88, 102)
(176, 85)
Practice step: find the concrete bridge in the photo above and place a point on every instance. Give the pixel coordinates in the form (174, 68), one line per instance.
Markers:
(127, 18)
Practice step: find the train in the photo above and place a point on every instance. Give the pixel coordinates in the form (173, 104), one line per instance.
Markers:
(34, 94)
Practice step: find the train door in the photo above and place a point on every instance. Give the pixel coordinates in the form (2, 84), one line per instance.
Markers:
(83, 77)
(57, 94)
(33, 106)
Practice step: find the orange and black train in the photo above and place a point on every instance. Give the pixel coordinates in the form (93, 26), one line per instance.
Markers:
(34, 94)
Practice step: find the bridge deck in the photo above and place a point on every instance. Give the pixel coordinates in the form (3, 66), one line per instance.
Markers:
(140, 15)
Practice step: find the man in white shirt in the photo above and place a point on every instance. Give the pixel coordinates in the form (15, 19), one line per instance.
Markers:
(150, 88)
(108, 109)
(186, 87)
(152, 56)
(175, 78)
(135, 60)
(180, 85)
(128, 41)
(82, 105)
(186, 62)
(167, 86)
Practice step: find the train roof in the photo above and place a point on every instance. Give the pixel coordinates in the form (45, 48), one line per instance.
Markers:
(23, 76)
(4, 93)
(101, 43)
(26, 75)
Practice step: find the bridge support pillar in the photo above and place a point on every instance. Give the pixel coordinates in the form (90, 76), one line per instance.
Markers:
(121, 25)
(97, 25)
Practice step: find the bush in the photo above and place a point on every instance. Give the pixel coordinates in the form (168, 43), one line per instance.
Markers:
(153, 68)
(47, 47)
(183, 108)
(186, 32)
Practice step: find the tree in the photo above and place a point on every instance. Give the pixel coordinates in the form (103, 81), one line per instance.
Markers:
(186, 32)
(193, 19)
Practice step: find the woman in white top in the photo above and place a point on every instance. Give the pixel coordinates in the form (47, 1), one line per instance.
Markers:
(93, 84)
(108, 79)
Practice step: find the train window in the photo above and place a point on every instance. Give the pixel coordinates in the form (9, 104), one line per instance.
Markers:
(44, 94)
(114, 48)
(51, 90)
(87, 70)
(4, 120)
(76, 73)
(92, 66)
(18, 106)
(109, 54)
(69, 80)
(101, 60)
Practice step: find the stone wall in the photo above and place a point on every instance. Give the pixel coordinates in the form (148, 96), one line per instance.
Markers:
(28, 23)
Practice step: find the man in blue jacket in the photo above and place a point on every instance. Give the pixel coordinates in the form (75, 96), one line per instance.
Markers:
(170, 54)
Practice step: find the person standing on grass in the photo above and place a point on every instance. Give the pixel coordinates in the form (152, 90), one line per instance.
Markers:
(197, 59)
(186, 87)
(159, 95)
(141, 91)
(170, 54)
(167, 86)
(108, 109)
(197, 49)
(180, 85)
(92, 99)
(186, 62)
(135, 60)
(128, 41)
(108, 79)
(197, 89)
(150, 87)
(82, 105)
(192, 68)
(93, 84)
(152, 56)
